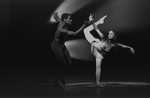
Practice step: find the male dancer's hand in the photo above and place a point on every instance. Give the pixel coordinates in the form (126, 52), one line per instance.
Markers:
(56, 17)
(87, 22)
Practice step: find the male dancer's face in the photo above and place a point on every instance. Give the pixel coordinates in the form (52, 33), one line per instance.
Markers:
(69, 20)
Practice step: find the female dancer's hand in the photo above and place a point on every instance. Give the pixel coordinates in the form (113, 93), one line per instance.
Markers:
(132, 50)
(91, 17)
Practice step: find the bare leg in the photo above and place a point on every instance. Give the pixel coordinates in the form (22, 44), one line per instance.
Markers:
(101, 20)
(98, 70)
(99, 58)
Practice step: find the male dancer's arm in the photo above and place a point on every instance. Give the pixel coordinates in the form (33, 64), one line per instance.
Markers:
(56, 17)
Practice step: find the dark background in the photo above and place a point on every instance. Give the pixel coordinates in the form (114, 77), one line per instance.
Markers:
(26, 36)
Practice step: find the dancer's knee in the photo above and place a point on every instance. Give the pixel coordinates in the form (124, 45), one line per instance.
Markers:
(98, 66)
(98, 63)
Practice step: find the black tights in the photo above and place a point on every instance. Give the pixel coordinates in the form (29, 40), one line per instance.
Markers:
(63, 57)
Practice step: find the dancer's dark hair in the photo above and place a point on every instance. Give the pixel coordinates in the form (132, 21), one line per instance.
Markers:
(65, 16)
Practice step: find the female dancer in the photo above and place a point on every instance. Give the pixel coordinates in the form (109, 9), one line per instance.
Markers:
(58, 47)
(102, 45)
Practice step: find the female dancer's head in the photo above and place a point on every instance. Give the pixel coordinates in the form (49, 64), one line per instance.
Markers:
(112, 36)
(66, 17)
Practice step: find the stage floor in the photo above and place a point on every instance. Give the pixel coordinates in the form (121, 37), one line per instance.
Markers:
(77, 86)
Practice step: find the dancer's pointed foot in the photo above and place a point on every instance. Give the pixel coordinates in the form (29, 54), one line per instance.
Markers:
(101, 21)
(99, 85)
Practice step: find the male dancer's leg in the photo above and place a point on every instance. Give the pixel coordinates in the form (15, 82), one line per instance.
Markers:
(58, 51)
(68, 57)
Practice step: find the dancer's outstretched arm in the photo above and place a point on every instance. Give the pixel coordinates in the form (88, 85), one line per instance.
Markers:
(125, 46)
(73, 32)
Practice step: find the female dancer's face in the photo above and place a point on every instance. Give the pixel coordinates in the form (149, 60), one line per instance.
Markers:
(111, 34)
(68, 20)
